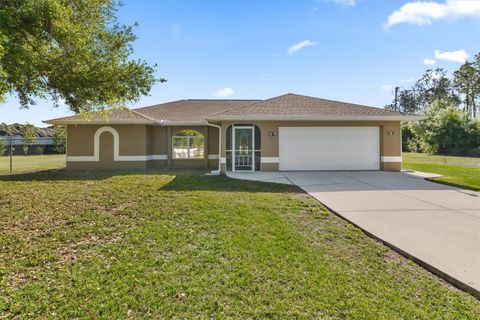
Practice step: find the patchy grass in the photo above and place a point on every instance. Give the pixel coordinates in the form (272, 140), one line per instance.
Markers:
(32, 163)
(166, 244)
(457, 171)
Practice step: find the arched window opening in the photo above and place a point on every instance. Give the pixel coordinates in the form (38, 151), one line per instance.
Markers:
(188, 144)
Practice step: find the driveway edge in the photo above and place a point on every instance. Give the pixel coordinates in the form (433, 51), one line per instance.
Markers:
(453, 281)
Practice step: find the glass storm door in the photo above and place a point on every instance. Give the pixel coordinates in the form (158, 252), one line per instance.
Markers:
(243, 152)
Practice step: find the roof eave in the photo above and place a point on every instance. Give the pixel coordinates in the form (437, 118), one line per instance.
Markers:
(184, 123)
(67, 122)
(110, 122)
(314, 118)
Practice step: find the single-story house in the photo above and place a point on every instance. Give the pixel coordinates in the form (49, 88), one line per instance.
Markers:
(288, 132)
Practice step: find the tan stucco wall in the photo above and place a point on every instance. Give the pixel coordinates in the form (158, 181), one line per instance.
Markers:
(390, 145)
(269, 167)
(213, 146)
(159, 140)
(106, 151)
(392, 166)
(213, 140)
(141, 140)
(105, 166)
(135, 140)
(149, 140)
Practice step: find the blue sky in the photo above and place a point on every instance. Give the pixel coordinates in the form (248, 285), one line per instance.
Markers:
(347, 50)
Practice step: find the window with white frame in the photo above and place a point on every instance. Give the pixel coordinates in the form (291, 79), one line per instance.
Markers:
(188, 144)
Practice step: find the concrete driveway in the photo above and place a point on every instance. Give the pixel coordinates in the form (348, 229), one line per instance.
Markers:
(436, 225)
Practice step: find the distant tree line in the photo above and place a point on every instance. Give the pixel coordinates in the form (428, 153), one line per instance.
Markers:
(461, 91)
(452, 108)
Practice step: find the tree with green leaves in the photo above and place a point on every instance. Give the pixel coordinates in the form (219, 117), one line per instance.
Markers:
(71, 51)
(60, 140)
(434, 85)
(446, 130)
(408, 102)
(29, 137)
(467, 82)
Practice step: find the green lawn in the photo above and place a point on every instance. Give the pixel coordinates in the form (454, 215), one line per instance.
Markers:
(165, 244)
(459, 171)
(32, 163)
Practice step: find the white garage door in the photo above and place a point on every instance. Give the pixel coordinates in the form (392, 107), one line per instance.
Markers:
(329, 148)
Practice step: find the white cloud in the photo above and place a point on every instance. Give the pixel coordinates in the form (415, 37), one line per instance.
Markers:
(429, 62)
(350, 3)
(225, 92)
(424, 12)
(299, 46)
(459, 56)
(387, 87)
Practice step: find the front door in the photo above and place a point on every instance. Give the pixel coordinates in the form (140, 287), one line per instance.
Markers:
(243, 152)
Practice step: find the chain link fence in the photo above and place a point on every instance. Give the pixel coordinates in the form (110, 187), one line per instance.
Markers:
(18, 154)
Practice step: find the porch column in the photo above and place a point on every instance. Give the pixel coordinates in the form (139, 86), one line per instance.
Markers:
(206, 150)
(169, 147)
(223, 149)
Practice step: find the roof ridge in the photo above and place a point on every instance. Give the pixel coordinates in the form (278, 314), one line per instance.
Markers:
(223, 100)
(337, 101)
(213, 114)
(158, 104)
(253, 104)
(282, 95)
(142, 115)
(314, 102)
(176, 101)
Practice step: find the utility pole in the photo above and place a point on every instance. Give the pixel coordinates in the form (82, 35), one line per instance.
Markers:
(396, 98)
(11, 154)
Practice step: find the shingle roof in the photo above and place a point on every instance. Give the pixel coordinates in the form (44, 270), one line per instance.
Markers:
(191, 110)
(289, 106)
(297, 105)
(110, 115)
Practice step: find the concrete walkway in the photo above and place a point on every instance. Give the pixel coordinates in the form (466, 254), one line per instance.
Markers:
(274, 177)
(436, 225)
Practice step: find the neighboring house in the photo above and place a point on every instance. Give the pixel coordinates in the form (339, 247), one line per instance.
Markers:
(40, 145)
(289, 132)
(12, 134)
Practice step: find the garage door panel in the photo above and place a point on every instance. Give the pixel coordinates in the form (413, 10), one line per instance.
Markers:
(329, 148)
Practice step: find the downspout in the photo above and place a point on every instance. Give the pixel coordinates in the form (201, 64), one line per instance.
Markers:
(219, 147)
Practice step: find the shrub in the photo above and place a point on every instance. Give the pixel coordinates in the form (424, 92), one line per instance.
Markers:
(38, 150)
(447, 130)
(474, 152)
(3, 147)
